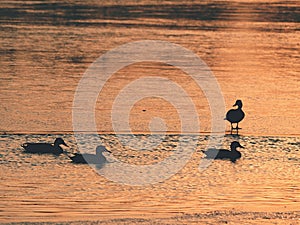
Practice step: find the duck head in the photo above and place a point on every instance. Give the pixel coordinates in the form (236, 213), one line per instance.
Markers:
(239, 104)
(101, 149)
(60, 141)
(235, 144)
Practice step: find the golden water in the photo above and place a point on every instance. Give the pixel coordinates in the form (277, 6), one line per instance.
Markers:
(252, 48)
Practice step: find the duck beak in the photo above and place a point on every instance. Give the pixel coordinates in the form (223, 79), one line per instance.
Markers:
(108, 151)
(235, 105)
(241, 146)
(65, 144)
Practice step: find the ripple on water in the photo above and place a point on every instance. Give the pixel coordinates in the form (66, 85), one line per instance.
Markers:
(266, 176)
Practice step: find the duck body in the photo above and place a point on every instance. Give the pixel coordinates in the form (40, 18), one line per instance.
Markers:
(45, 148)
(235, 115)
(99, 158)
(42, 148)
(231, 155)
(88, 158)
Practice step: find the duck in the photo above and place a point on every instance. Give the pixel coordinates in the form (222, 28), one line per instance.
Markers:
(235, 116)
(233, 154)
(45, 148)
(99, 158)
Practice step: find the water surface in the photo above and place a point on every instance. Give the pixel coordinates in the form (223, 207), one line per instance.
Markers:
(47, 188)
(252, 48)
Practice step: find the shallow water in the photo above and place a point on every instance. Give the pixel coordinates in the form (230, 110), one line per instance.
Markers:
(252, 48)
(46, 187)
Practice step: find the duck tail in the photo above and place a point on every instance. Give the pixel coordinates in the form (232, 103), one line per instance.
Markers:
(24, 145)
(67, 153)
(70, 155)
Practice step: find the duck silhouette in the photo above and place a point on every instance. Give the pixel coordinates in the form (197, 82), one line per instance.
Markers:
(232, 154)
(99, 158)
(235, 116)
(45, 148)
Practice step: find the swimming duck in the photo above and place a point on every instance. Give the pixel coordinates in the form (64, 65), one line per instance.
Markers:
(235, 116)
(99, 158)
(232, 155)
(43, 148)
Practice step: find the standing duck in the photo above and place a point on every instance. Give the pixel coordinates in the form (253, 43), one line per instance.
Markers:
(99, 158)
(232, 154)
(235, 116)
(43, 148)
